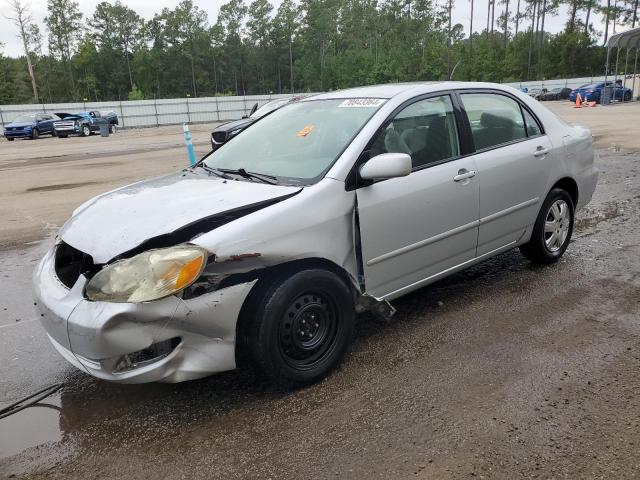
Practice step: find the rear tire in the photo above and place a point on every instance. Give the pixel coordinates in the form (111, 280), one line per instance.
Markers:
(627, 97)
(297, 327)
(553, 228)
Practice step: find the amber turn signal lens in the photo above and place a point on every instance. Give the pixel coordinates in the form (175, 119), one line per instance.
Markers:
(189, 273)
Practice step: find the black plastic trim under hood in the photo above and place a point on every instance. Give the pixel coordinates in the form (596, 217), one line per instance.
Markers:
(203, 225)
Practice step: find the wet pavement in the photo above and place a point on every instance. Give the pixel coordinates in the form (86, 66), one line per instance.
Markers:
(505, 370)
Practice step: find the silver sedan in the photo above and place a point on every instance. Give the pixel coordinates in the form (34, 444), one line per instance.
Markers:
(263, 253)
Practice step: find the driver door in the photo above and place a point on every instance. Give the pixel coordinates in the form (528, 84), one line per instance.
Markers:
(415, 227)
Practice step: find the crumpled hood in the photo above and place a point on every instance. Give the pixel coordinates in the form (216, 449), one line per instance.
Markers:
(121, 220)
(72, 117)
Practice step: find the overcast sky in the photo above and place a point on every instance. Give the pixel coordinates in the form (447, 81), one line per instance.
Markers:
(146, 9)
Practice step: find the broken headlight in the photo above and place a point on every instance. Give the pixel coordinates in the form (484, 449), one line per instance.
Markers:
(148, 276)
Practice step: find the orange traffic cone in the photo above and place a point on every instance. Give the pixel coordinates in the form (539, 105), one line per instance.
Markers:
(578, 101)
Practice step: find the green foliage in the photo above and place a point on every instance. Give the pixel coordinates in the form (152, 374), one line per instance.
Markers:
(6, 79)
(302, 46)
(135, 93)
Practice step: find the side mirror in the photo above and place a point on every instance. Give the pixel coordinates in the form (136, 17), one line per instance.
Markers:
(386, 165)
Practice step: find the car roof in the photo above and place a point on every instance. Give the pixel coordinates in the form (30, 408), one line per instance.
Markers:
(391, 90)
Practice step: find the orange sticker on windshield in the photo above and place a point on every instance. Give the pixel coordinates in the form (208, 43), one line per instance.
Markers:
(305, 131)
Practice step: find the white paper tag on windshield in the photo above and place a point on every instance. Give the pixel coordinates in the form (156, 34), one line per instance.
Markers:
(362, 103)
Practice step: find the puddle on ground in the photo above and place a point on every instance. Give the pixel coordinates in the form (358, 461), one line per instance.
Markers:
(16, 269)
(611, 210)
(60, 186)
(33, 426)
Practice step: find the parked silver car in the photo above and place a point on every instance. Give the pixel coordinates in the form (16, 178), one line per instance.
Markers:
(264, 252)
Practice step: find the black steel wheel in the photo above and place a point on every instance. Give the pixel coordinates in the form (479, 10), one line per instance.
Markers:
(295, 328)
(307, 329)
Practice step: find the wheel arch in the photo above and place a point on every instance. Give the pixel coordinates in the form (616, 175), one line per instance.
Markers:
(569, 185)
(273, 273)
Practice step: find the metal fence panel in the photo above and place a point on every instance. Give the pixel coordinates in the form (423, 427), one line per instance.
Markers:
(171, 111)
(577, 82)
(565, 82)
(153, 113)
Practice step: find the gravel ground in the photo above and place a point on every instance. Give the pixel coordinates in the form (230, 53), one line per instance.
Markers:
(504, 370)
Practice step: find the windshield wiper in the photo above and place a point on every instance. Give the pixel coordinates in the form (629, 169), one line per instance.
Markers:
(215, 171)
(270, 179)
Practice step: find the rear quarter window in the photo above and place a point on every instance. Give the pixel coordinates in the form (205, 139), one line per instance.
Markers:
(531, 124)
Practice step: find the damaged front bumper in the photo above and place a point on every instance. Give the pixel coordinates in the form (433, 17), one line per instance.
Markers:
(167, 340)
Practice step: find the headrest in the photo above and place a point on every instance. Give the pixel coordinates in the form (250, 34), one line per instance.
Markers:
(438, 123)
(492, 120)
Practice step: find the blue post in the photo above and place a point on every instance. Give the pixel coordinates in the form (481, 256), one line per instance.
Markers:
(187, 140)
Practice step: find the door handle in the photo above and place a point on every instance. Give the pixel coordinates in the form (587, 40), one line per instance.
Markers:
(540, 151)
(464, 174)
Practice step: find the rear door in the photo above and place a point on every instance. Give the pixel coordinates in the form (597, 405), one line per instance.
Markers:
(415, 227)
(513, 157)
(41, 123)
(47, 123)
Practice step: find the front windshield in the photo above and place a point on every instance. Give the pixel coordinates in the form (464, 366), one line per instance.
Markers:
(299, 141)
(269, 107)
(24, 119)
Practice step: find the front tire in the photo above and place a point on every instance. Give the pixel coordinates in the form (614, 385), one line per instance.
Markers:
(86, 131)
(298, 326)
(35, 134)
(553, 228)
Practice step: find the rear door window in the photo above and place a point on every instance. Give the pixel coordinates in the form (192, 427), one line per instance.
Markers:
(495, 119)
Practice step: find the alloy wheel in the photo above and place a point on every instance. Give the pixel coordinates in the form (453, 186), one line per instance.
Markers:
(556, 227)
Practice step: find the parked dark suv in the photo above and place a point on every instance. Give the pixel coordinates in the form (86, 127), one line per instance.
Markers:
(557, 93)
(226, 131)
